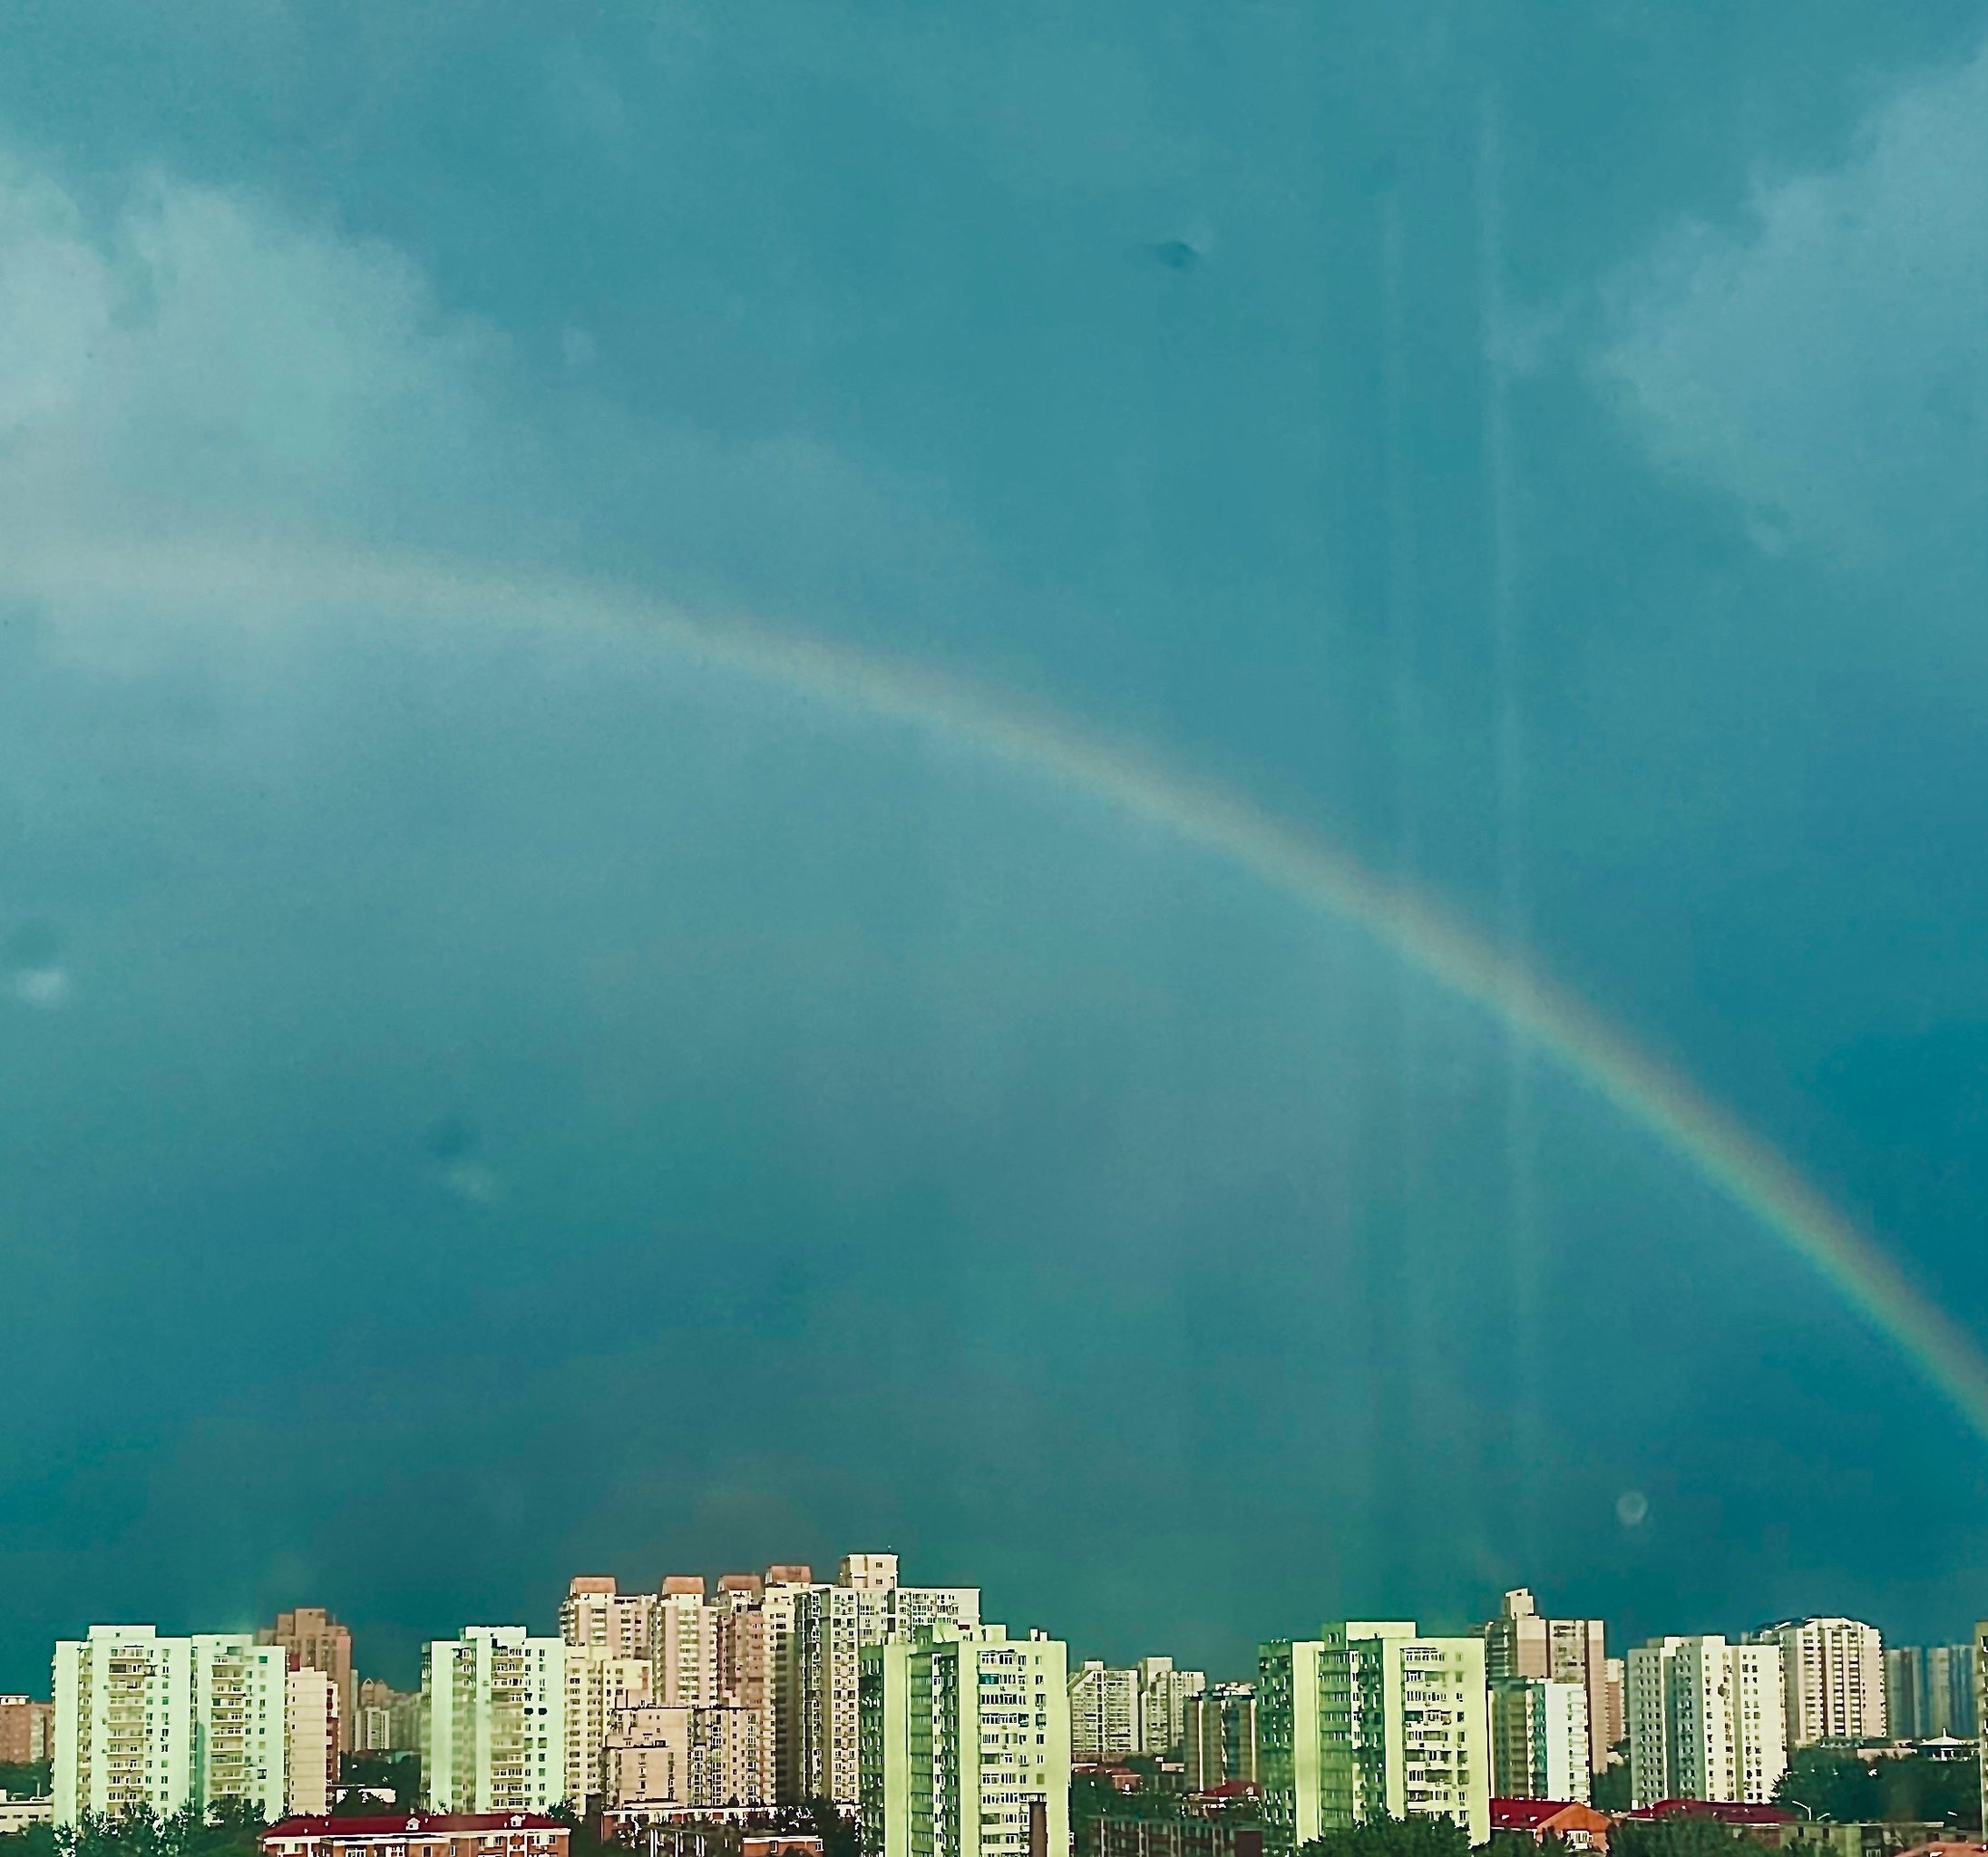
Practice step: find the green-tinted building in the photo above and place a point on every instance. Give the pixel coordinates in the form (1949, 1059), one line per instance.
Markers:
(1369, 1719)
(964, 1745)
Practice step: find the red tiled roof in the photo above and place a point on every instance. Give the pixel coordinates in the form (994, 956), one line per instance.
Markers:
(412, 1824)
(1726, 1810)
(1525, 1814)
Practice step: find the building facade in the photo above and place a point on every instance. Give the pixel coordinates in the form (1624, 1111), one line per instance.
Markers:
(27, 1730)
(240, 1722)
(1539, 1739)
(667, 1757)
(1219, 1736)
(1163, 1704)
(596, 1616)
(150, 1722)
(315, 1640)
(833, 1626)
(601, 1689)
(964, 1743)
(1929, 1692)
(389, 1719)
(1104, 1713)
(493, 1721)
(311, 1727)
(1520, 1642)
(1370, 1719)
(1833, 1680)
(421, 1834)
(1705, 1720)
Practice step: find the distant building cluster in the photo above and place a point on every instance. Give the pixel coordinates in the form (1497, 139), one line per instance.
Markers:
(689, 1717)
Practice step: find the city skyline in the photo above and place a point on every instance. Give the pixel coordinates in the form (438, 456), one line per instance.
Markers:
(896, 1703)
(1180, 806)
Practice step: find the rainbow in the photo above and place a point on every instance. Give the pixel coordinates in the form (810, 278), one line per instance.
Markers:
(1195, 812)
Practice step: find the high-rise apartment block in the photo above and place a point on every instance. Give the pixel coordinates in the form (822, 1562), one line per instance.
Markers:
(1117, 1713)
(158, 1723)
(664, 1758)
(389, 1719)
(1539, 1739)
(1371, 1719)
(1705, 1720)
(312, 1733)
(684, 1644)
(27, 1730)
(1929, 1692)
(965, 1744)
(1520, 1642)
(493, 1721)
(315, 1640)
(595, 1616)
(601, 1689)
(1162, 1704)
(1104, 1713)
(1833, 1677)
(833, 1626)
(1219, 1736)
(780, 1644)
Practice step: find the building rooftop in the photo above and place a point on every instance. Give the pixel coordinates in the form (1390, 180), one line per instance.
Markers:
(412, 1824)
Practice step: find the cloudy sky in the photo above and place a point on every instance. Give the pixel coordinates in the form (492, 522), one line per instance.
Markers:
(487, 1092)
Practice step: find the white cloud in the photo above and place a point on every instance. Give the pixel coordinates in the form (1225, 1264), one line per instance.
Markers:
(46, 989)
(203, 370)
(205, 354)
(1827, 361)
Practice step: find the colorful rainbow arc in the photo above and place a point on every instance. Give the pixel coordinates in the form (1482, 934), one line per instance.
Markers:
(1679, 1116)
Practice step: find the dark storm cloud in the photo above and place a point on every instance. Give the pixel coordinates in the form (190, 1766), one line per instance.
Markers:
(624, 1116)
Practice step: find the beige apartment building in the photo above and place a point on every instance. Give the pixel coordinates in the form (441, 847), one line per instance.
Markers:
(313, 1726)
(1833, 1680)
(1521, 1642)
(596, 1616)
(315, 1640)
(664, 1757)
(27, 1730)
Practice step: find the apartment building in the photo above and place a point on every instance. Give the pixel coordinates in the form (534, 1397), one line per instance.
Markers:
(596, 1616)
(493, 1721)
(964, 1743)
(152, 1723)
(1833, 1678)
(663, 1758)
(312, 1726)
(833, 1626)
(27, 1730)
(1369, 1719)
(315, 1640)
(1539, 1739)
(1705, 1720)
(1219, 1736)
(1521, 1642)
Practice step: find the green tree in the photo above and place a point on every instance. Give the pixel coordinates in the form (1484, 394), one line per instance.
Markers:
(1828, 1782)
(1938, 1791)
(837, 1829)
(36, 1840)
(25, 1779)
(1393, 1837)
(1611, 1789)
(1682, 1836)
(1523, 1844)
(584, 1840)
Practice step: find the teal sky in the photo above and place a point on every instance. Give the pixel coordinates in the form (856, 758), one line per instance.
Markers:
(481, 1101)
